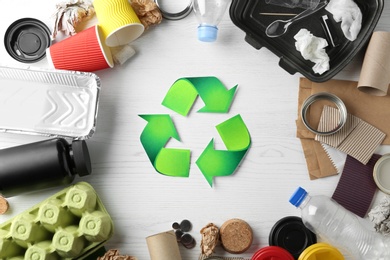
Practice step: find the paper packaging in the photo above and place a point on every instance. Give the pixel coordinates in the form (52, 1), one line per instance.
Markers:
(375, 74)
(163, 246)
(373, 112)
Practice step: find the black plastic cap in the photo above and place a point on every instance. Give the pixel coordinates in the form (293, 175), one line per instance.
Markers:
(291, 234)
(27, 39)
(81, 158)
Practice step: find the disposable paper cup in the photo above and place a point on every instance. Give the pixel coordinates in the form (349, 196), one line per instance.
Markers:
(85, 51)
(118, 20)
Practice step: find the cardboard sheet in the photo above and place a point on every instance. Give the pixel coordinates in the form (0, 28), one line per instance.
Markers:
(372, 109)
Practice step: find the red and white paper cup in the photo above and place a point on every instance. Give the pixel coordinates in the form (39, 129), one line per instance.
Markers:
(85, 51)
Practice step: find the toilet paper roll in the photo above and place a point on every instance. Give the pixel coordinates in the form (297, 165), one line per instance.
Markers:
(375, 75)
(163, 246)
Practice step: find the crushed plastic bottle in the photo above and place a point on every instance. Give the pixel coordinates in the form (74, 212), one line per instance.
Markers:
(340, 227)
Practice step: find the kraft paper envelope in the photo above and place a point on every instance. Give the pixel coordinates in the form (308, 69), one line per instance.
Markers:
(372, 109)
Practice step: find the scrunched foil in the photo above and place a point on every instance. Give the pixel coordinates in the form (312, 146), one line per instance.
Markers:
(147, 11)
(70, 14)
(380, 216)
(210, 238)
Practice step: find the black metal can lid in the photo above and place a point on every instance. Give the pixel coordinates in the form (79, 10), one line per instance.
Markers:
(27, 39)
(291, 234)
(81, 158)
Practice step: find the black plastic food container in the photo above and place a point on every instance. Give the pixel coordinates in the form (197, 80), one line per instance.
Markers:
(246, 14)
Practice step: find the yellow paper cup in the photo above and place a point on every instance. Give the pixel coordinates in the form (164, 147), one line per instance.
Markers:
(118, 21)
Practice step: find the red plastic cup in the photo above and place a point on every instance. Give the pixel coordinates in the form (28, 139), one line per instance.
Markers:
(85, 51)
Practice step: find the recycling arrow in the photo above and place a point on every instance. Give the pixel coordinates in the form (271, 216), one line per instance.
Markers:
(236, 138)
(160, 128)
(167, 161)
(183, 93)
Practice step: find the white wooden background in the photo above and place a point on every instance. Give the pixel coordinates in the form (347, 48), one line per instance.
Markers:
(143, 202)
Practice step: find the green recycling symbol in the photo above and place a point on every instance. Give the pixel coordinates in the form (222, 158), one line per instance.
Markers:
(160, 128)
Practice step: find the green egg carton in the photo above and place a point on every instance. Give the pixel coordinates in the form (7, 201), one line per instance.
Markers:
(71, 224)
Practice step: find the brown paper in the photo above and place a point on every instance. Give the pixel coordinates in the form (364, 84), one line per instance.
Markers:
(318, 163)
(374, 110)
(210, 239)
(375, 74)
(113, 254)
(163, 246)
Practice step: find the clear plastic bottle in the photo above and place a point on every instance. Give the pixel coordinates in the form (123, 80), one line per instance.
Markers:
(340, 227)
(209, 13)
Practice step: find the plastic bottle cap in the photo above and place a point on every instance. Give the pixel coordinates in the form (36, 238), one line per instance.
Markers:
(27, 39)
(298, 196)
(81, 158)
(207, 33)
(291, 234)
(381, 173)
(321, 251)
(272, 253)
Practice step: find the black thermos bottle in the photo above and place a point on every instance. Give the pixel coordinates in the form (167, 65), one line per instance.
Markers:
(42, 165)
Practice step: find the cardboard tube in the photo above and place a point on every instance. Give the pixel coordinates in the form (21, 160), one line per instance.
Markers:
(375, 75)
(163, 246)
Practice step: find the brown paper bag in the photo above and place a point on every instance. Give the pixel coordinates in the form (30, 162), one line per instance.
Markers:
(372, 109)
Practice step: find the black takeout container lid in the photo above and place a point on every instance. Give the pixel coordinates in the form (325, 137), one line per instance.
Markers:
(27, 39)
(291, 234)
(246, 14)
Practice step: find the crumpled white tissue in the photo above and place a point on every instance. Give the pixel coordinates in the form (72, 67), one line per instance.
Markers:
(313, 48)
(348, 12)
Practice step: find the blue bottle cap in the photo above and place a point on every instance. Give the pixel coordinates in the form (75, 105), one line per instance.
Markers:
(298, 196)
(207, 33)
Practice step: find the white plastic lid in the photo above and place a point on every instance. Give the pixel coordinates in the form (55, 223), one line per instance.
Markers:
(207, 33)
(382, 173)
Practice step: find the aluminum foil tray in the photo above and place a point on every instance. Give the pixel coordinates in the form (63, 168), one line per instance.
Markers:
(71, 224)
(48, 102)
(249, 16)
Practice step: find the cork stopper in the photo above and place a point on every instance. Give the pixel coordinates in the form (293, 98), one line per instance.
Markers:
(236, 236)
(3, 205)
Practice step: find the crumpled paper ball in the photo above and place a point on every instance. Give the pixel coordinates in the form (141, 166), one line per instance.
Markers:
(380, 216)
(147, 12)
(210, 238)
(71, 13)
(348, 13)
(113, 254)
(313, 48)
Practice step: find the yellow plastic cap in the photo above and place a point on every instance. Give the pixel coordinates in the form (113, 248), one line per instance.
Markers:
(321, 251)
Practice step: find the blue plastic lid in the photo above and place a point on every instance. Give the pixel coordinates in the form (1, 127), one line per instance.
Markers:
(207, 33)
(298, 196)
